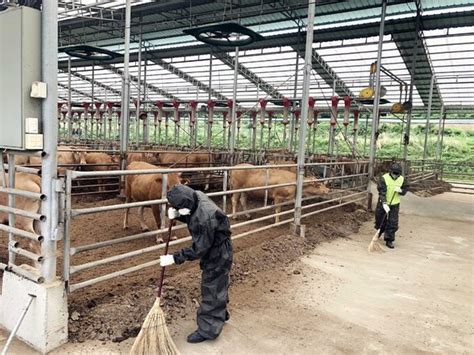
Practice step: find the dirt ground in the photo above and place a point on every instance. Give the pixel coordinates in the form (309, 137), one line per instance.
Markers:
(97, 312)
(292, 295)
(429, 188)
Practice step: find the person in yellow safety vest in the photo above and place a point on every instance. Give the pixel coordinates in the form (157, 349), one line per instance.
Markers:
(391, 186)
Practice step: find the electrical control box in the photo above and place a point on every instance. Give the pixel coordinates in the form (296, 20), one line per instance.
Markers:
(20, 73)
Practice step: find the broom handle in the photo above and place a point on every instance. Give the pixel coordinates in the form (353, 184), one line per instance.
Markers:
(162, 278)
(386, 215)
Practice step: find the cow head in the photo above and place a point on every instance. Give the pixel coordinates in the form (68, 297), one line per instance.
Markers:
(152, 158)
(80, 157)
(316, 188)
(116, 159)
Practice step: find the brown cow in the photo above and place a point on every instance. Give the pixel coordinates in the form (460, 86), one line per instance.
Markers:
(241, 179)
(25, 182)
(70, 157)
(146, 187)
(188, 159)
(98, 158)
(147, 157)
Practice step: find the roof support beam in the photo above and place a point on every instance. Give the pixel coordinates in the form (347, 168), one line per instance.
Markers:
(95, 82)
(181, 74)
(249, 75)
(79, 92)
(396, 26)
(135, 79)
(422, 64)
(325, 71)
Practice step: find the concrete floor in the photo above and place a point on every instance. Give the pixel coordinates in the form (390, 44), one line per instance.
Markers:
(416, 298)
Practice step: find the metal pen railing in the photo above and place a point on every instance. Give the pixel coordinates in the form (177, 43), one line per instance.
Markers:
(343, 198)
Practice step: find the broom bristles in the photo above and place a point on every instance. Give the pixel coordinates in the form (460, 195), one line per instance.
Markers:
(154, 337)
(374, 243)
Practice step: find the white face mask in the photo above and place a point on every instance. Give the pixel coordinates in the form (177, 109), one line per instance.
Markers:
(184, 211)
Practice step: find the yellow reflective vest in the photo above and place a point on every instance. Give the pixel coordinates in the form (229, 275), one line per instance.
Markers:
(391, 195)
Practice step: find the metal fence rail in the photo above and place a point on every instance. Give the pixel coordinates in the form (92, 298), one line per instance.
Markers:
(343, 197)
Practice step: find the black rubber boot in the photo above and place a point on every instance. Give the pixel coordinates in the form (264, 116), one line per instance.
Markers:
(195, 337)
(389, 244)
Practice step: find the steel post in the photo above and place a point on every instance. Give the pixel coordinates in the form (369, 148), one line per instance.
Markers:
(375, 114)
(126, 92)
(295, 92)
(406, 137)
(69, 108)
(441, 134)
(164, 190)
(304, 113)
(67, 229)
(233, 124)
(209, 126)
(139, 83)
(49, 207)
(366, 132)
(11, 204)
(428, 116)
(224, 189)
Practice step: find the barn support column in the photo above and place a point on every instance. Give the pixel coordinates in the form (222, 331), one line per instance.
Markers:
(406, 136)
(297, 227)
(295, 92)
(139, 88)
(209, 124)
(439, 143)
(126, 90)
(45, 324)
(375, 114)
(428, 116)
(233, 124)
(69, 108)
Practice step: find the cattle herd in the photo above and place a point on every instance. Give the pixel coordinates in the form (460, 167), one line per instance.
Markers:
(145, 187)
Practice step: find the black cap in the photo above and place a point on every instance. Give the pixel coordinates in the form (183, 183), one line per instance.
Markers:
(396, 168)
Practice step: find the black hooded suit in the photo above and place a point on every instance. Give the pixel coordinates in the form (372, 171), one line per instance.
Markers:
(210, 231)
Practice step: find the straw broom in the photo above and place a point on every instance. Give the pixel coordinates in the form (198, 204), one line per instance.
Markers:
(154, 337)
(374, 243)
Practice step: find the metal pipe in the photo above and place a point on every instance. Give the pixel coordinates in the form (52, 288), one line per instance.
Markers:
(26, 253)
(24, 169)
(139, 84)
(21, 233)
(11, 203)
(304, 111)
(428, 116)
(267, 177)
(18, 324)
(106, 243)
(438, 141)
(406, 138)
(295, 92)
(112, 275)
(26, 274)
(49, 56)
(442, 138)
(124, 136)
(224, 189)
(332, 207)
(375, 114)
(20, 212)
(67, 229)
(233, 124)
(164, 189)
(23, 193)
(69, 102)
